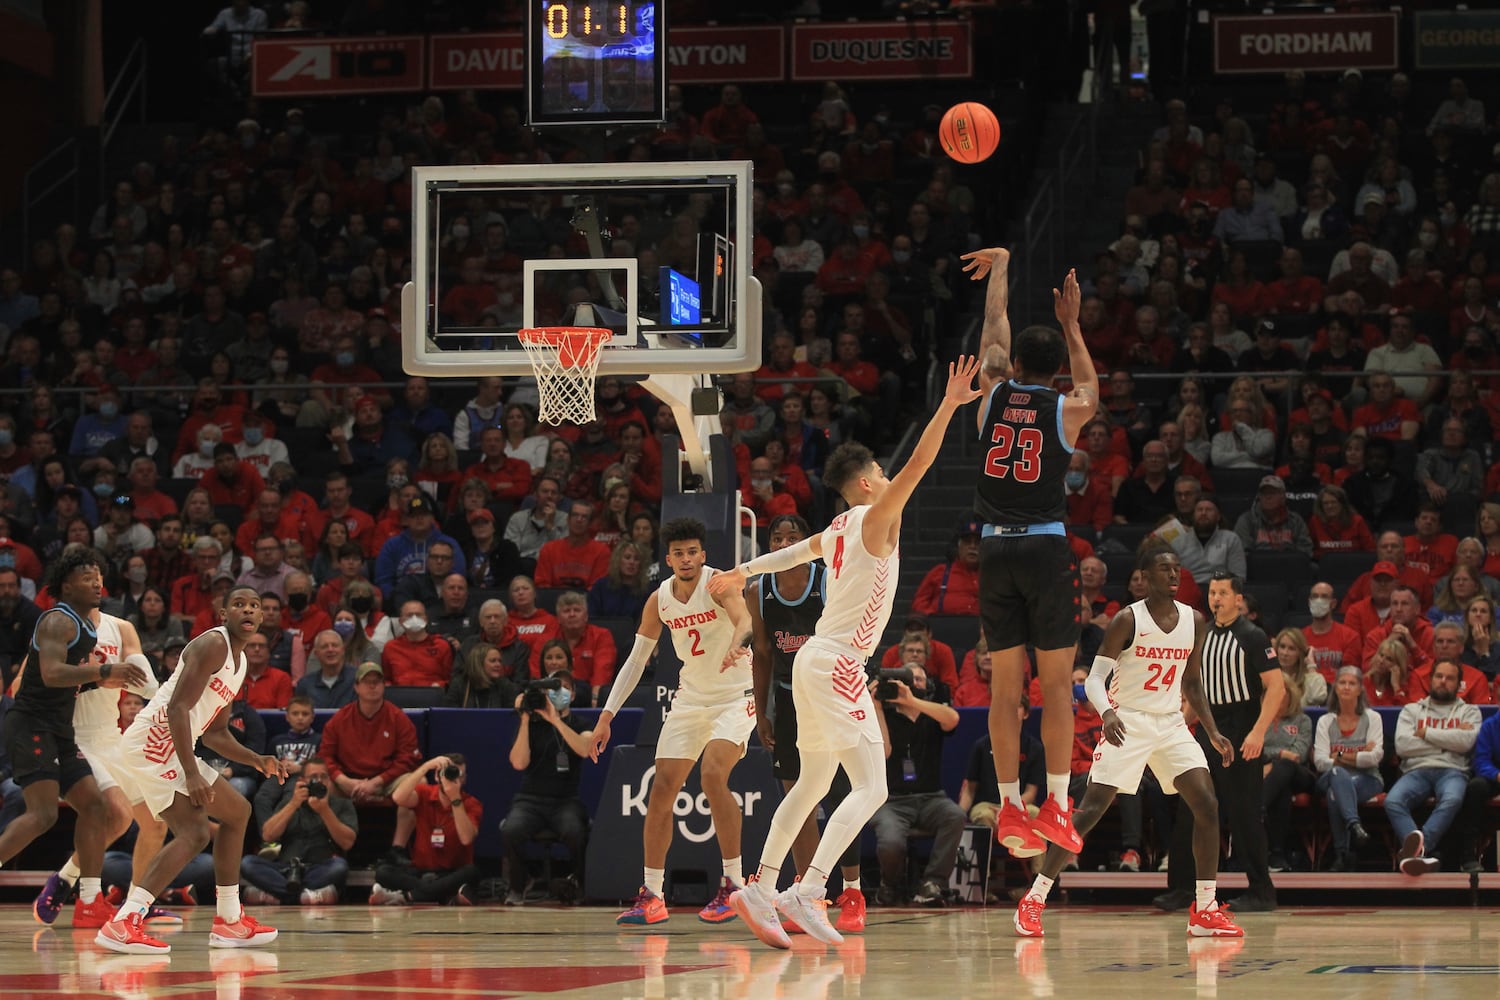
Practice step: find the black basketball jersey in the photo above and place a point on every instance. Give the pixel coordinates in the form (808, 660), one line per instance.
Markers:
(52, 707)
(1026, 456)
(790, 619)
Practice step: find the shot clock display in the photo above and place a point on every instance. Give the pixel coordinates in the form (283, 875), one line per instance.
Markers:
(596, 62)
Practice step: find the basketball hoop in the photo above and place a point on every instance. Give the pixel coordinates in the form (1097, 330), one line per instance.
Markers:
(565, 360)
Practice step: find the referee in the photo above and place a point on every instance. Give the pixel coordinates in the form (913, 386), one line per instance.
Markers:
(1242, 680)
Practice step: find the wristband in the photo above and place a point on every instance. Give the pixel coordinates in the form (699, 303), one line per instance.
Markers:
(105, 669)
(455, 803)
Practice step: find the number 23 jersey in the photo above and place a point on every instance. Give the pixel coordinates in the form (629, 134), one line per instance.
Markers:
(1026, 459)
(1148, 672)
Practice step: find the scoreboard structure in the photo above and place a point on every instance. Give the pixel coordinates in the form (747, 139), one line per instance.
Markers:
(596, 62)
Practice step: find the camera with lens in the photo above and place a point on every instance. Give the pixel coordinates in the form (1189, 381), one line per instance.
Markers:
(296, 871)
(534, 698)
(885, 687)
(316, 788)
(451, 772)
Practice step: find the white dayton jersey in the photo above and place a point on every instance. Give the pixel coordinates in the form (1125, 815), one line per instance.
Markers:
(702, 634)
(1148, 673)
(96, 712)
(148, 746)
(860, 589)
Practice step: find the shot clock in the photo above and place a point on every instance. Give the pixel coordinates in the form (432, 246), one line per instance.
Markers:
(596, 62)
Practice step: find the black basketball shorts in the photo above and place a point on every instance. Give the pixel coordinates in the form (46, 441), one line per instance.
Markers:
(1029, 592)
(38, 754)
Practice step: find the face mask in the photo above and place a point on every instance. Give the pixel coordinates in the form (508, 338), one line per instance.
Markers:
(297, 602)
(254, 436)
(900, 256)
(344, 359)
(1075, 480)
(415, 623)
(136, 574)
(102, 490)
(860, 232)
(395, 482)
(344, 629)
(361, 605)
(6, 437)
(279, 365)
(1319, 607)
(109, 411)
(561, 698)
(460, 232)
(206, 448)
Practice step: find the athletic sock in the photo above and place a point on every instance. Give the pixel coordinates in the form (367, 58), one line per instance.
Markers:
(1010, 791)
(812, 883)
(851, 885)
(1206, 891)
(768, 876)
(1057, 787)
(1040, 888)
(70, 872)
(655, 877)
(138, 901)
(228, 898)
(734, 871)
(89, 889)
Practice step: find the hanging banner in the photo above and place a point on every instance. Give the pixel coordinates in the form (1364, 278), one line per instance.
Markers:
(883, 50)
(1457, 39)
(481, 61)
(1311, 42)
(325, 67)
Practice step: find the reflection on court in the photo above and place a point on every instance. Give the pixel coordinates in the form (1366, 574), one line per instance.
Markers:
(347, 952)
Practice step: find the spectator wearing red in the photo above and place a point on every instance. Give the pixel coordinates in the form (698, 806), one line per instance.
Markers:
(301, 618)
(973, 690)
(232, 481)
(194, 593)
(845, 271)
(952, 588)
(346, 368)
(508, 479)
(369, 743)
(337, 496)
(1106, 467)
(1333, 645)
(151, 504)
(1239, 289)
(1390, 550)
(788, 475)
(1088, 501)
(1205, 185)
(1099, 609)
(764, 492)
(576, 559)
(782, 364)
(592, 647)
(1367, 613)
(1300, 452)
(641, 457)
(265, 687)
(1419, 289)
(209, 408)
(1293, 292)
(416, 657)
(940, 663)
(1448, 644)
(269, 519)
(1362, 278)
(1148, 344)
(1386, 415)
(1473, 309)
(1387, 677)
(1405, 622)
(1180, 461)
(534, 626)
(1336, 526)
(727, 123)
(1431, 550)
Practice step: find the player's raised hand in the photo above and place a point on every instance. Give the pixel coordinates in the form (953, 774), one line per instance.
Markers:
(981, 261)
(599, 739)
(726, 581)
(961, 390)
(1114, 729)
(1065, 303)
(1226, 749)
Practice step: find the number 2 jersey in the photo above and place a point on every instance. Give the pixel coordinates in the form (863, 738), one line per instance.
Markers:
(1148, 673)
(702, 634)
(859, 588)
(1026, 457)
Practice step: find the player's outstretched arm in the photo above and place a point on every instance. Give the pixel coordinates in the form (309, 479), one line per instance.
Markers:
(1080, 405)
(629, 675)
(1192, 691)
(779, 561)
(885, 514)
(994, 339)
(1096, 686)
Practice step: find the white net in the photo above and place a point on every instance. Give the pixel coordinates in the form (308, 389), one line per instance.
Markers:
(565, 361)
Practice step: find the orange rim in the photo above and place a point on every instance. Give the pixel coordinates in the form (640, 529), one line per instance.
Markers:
(577, 346)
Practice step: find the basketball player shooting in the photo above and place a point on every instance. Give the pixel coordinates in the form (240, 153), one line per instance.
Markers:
(838, 720)
(1149, 663)
(1029, 591)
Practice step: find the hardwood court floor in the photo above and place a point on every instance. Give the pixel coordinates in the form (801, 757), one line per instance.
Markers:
(353, 953)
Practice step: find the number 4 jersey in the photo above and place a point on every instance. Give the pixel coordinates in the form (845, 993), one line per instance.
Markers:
(1148, 672)
(860, 588)
(1027, 456)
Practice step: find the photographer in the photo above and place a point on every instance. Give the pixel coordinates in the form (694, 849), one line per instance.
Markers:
(442, 848)
(550, 756)
(313, 822)
(919, 718)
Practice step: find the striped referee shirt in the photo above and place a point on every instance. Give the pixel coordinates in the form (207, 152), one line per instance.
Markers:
(1233, 657)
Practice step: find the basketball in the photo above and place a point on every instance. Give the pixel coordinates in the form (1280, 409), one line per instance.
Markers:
(970, 132)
